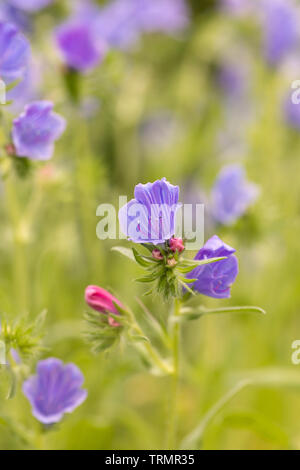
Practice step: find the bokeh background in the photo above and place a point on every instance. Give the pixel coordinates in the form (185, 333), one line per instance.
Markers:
(180, 105)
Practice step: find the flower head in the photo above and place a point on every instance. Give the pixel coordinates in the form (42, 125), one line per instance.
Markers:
(215, 279)
(36, 129)
(78, 44)
(232, 194)
(150, 216)
(54, 390)
(30, 5)
(176, 244)
(280, 26)
(102, 301)
(14, 53)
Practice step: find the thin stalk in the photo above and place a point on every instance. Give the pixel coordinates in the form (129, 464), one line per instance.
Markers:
(172, 415)
(20, 273)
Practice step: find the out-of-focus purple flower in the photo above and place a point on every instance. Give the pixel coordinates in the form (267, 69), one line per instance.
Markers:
(215, 279)
(79, 46)
(30, 5)
(280, 29)
(232, 194)
(233, 79)
(14, 53)
(27, 90)
(167, 16)
(150, 217)
(291, 113)
(13, 15)
(118, 23)
(36, 129)
(102, 301)
(121, 22)
(236, 7)
(54, 390)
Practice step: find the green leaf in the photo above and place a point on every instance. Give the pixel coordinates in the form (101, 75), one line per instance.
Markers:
(127, 252)
(202, 262)
(140, 259)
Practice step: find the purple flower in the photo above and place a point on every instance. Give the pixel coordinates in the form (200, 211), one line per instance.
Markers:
(14, 53)
(167, 16)
(150, 217)
(280, 29)
(30, 5)
(80, 47)
(13, 15)
(54, 390)
(236, 7)
(292, 113)
(215, 279)
(122, 22)
(232, 194)
(36, 129)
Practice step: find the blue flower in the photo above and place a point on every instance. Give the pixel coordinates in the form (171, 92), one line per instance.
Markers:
(215, 279)
(280, 29)
(14, 53)
(36, 129)
(30, 5)
(54, 390)
(150, 217)
(232, 194)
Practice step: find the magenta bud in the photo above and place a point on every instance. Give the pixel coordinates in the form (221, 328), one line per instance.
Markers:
(176, 244)
(102, 301)
(157, 254)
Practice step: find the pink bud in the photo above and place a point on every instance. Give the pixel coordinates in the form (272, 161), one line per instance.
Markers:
(176, 244)
(157, 254)
(102, 301)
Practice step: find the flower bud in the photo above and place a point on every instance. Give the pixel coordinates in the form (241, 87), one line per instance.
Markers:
(157, 254)
(102, 301)
(176, 244)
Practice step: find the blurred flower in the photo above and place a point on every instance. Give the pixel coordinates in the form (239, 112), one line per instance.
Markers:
(215, 279)
(150, 217)
(233, 78)
(36, 129)
(236, 7)
(30, 5)
(280, 29)
(121, 22)
(81, 49)
(27, 90)
(54, 390)
(102, 301)
(13, 15)
(232, 194)
(176, 244)
(167, 16)
(291, 112)
(14, 53)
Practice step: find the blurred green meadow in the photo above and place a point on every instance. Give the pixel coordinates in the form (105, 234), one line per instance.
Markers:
(159, 110)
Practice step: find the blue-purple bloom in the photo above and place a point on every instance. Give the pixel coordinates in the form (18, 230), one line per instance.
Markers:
(79, 46)
(36, 129)
(150, 217)
(30, 5)
(280, 29)
(236, 7)
(215, 279)
(291, 113)
(14, 53)
(14, 15)
(121, 22)
(54, 390)
(232, 194)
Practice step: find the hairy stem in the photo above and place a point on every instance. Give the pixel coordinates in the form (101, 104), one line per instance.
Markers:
(172, 415)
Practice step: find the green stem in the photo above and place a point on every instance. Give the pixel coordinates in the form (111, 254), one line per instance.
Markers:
(156, 359)
(20, 273)
(172, 424)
